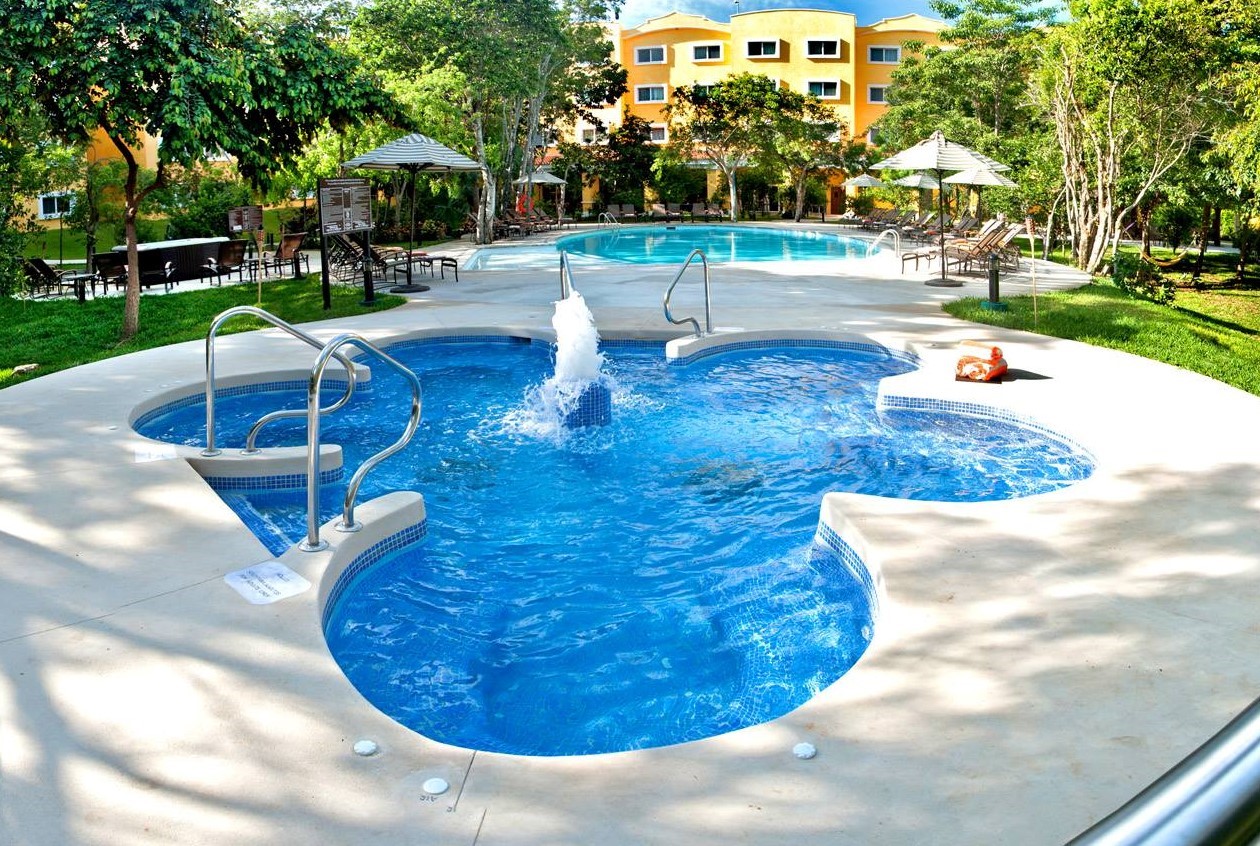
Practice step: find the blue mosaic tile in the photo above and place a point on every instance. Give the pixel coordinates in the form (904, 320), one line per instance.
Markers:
(199, 398)
(414, 343)
(827, 539)
(795, 343)
(394, 543)
(279, 482)
(976, 409)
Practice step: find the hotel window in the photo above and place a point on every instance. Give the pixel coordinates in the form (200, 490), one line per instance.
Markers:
(876, 93)
(649, 55)
(884, 55)
(763, 50)
(589, 135)
(823, 49)
(706, 53)
(824, 89)
(649, 94)
(658, 135)
(55, 204)
(702, 89)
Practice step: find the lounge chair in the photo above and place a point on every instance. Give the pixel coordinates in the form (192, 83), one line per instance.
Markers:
(44, 281)
(962, 254)
(659, 212)
(287, 255)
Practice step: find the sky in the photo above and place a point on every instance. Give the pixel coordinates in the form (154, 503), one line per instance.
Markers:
(635, 12)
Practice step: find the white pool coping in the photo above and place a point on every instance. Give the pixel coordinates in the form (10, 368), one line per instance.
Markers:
(1036, 663)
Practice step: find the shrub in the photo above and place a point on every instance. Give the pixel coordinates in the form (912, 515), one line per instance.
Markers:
(1142, 279)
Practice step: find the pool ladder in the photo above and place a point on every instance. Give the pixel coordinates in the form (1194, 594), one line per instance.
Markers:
(313, 412)
(708, 302)
(566, 275)
(606, 219)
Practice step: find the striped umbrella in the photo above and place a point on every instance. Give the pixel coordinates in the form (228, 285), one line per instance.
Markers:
(413, 153)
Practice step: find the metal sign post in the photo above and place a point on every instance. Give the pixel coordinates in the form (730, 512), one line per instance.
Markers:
(249, 219)
(345, 207)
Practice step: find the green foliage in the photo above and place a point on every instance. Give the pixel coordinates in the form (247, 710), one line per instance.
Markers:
(1139, 278)
(58, 334)
(1209, 332)
(198, 204)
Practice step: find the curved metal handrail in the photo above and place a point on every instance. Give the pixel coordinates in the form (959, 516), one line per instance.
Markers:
(566, 276)
(708, 316)
(1208, 798)
(215, 325)
(606, 219)
(313, 412)
(870, 246)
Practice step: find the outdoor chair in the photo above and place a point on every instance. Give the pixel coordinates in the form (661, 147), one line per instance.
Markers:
(110, 269)
(287, 255)
(231, 259)
(44, 281)
(659, 212)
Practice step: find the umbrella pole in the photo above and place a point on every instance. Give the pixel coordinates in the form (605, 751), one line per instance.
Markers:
(411, 288)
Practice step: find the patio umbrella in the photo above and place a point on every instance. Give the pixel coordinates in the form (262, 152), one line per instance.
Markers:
(544, 177)
(921, 181)
(938, 154)
(413, 153)
(979, 177)
(864, 181)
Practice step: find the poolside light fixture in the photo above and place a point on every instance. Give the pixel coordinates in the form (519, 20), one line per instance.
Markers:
(366, 748)
(435, 786)
(804, 751)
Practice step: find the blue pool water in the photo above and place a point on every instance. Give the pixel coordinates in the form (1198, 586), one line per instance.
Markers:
(635, 585)
(672, 244)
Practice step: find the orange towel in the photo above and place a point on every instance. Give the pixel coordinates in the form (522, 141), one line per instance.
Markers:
(980, 368)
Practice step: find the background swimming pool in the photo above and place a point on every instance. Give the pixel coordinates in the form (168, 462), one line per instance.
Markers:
(671, 245)
(635, 585)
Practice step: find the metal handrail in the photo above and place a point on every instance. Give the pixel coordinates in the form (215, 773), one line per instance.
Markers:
(1208, 798)
(566, 275)
(708, 316)
(218, 322)
(607, 219)
(896, 241)
(313, 411)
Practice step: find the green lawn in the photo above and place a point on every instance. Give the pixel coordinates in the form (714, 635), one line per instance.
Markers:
(62, 333)
(1215, 332)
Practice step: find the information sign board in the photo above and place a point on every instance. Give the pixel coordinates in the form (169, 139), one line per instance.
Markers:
(345, 205)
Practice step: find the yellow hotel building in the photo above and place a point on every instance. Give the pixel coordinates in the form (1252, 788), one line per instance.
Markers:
(823, 52)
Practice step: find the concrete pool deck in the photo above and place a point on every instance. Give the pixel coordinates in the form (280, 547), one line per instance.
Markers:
(1037, 662)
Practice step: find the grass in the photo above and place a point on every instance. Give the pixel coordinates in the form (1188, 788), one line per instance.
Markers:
(64, 333)
(1215, 332)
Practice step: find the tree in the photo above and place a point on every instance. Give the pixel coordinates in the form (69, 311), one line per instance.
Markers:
(804, 138)
(514, 58)
(1128, 89)
(726, 123)
(194, 73)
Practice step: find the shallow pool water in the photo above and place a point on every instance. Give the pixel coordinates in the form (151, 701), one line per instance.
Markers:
(672, 244)
(644, 583)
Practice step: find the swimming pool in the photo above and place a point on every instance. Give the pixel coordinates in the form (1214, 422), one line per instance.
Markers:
(640, 584)
(670, 244)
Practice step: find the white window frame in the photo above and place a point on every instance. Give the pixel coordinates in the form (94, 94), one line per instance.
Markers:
(708, 45)
(707, 86)
(588, 130)
(639, 89)
(871, 47)
(750, 42)
(55, 196)
(883, 93)
(639, 61)
(872, 136)
(832, 56)
(824, 82)
(664, 130)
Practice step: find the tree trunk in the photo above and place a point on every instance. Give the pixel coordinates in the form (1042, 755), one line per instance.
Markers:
(800, 198)
(1204, 225)
(730, 185)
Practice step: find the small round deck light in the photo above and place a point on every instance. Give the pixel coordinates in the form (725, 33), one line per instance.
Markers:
(435, 786)
(804, 751)
(366, 748)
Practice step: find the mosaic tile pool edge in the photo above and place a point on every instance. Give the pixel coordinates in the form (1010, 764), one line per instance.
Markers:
(372, 555)
(827, 538)
(794, 343)
(975, 409)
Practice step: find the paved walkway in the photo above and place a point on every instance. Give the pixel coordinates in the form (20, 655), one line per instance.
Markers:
(1036, 663)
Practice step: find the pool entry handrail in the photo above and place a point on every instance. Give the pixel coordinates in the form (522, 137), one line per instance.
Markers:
(223, 317)
(566, 276)
(606, 219)
(708, 302)
(1211, 797)
(896, 237)
(313, 412)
